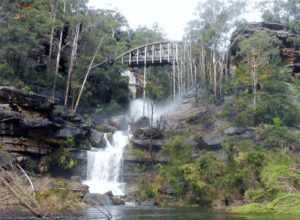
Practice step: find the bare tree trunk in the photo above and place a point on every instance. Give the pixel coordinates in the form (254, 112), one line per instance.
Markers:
(174, 81)
(53, 20)
(226, 67)
(72, 60)
(221, 66)
(215, 73)
(86, 75)
(59, 51)
(18, 192)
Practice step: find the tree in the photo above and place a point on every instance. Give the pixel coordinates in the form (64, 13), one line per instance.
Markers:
(257, 51)
(209, 36)
(154, 93)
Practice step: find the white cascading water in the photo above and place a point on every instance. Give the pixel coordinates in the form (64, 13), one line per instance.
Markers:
(104, 166)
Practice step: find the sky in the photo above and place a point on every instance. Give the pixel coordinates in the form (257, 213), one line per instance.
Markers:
(171, 15)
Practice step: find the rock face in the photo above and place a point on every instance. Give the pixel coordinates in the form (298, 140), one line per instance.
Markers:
(30, 125)
(289, 52)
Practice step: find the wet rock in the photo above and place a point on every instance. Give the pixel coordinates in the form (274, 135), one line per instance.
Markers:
(109, 137)
(142, 122)
(146, 133)
(234, 130)
(109, 193)
(96, 199)
(117, 201)
(97, 138)
(120, 122)
(106, 128)
(148, 202)
(70, 131)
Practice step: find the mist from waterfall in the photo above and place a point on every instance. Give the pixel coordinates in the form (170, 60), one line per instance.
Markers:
(136, 109)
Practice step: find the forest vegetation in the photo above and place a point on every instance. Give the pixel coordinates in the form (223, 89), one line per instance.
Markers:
(50, 48)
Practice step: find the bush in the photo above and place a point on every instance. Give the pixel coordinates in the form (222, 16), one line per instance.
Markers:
(280, 136)
(61, 158)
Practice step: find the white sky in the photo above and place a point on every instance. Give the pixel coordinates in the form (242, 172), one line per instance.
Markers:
(171, 15)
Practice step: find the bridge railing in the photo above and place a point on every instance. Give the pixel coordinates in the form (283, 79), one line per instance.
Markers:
(153, 54)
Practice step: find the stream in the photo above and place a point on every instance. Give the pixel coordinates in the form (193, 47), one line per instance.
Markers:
(159, 213)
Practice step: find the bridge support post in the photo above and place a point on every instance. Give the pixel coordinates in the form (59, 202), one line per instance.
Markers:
(145, 75)
(144, 89)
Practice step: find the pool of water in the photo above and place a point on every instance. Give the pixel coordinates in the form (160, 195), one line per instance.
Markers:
(145, 213)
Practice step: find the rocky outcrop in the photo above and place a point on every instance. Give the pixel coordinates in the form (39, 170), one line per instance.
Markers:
(31, 125)
(289, 52)
(21, 99)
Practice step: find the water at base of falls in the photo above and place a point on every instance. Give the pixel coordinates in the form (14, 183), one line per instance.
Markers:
(104, 166)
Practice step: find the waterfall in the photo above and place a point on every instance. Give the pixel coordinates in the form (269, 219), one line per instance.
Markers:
(104, 166)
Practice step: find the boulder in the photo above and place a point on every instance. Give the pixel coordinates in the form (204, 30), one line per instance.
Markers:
(148, 202)
(234, 130)
(146, 133)
(142, 122)
(96, 199)
(156, 144)
(70, 131)
(117, 201)
(120, 122)
(97, 138)
(109, 193)
(213, 140)
(106, 128)
(248, 134)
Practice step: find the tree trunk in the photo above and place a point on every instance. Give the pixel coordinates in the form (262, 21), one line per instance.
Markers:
(86, 75)
(59, 51)
(215, 73)
(53, 20)
(71, 65)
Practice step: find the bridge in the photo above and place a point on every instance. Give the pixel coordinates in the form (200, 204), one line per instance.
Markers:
(154, 54)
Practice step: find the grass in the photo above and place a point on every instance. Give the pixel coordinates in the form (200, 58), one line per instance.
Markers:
(286, 204)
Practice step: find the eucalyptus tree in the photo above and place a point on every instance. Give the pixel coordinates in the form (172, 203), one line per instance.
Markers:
(257, 52)
(281, 11)
(21, 28)
(209, 34)
(102, 29)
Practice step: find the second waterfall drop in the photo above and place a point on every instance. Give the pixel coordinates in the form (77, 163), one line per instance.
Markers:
(104, 166)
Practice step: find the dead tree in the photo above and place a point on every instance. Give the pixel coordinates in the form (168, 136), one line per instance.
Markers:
(11, 181)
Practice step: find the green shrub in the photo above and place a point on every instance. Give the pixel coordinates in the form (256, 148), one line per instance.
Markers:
(61, 158)
(280, 136)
